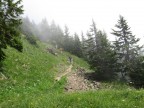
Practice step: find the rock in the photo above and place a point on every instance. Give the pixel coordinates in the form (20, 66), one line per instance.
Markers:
(77, 81)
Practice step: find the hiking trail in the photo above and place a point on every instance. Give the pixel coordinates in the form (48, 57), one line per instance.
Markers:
(64, 74)
(76, 80)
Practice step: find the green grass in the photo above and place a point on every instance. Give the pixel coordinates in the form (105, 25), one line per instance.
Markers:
(30, 83)
(102, 99)
(30, 75)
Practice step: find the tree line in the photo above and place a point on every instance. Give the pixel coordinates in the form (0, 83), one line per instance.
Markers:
(51, 33)
(121, 59)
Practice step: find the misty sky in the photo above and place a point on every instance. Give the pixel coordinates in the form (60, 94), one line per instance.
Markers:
(78, 14)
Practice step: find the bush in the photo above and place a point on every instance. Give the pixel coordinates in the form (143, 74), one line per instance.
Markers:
(32, 40)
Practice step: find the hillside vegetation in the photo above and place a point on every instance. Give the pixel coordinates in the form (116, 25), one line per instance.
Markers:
(30, 75)
(27, 81)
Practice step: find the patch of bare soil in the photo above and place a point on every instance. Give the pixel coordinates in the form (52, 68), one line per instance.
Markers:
(77, 81)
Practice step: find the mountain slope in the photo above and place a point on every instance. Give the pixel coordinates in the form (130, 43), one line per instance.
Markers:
(31, 74)
(28, 81)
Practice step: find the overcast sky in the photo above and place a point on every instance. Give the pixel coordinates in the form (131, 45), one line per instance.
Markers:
(78, 14)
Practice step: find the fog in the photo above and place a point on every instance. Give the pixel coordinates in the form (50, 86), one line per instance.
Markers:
(78, 14)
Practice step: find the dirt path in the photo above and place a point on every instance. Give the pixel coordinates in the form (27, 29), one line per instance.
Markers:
(76, 81)
(64, 74)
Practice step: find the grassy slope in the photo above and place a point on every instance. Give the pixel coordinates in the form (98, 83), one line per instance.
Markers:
(31, 84)
(31, 76)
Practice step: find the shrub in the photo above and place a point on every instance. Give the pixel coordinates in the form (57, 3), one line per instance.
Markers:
(32, 40)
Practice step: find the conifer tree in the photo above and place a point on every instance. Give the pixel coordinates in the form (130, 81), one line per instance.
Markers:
(100, 55)
(90, 47)
(66, 44)
(83, 40)
(125, 45)
(92, 41)
(44, 30)
(104, 59)
(77, 46)
(93, 30)
(59, 37)
(10, 11)
(83, 45)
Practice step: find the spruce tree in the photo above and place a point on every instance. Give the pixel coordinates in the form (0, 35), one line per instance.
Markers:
(93, 31)
(77, 46)
(66, 45)
(104, 59)
(125, 45)
(10, 11)
(100, 55)
(92, 41)
(83, 45)
(44, 30)
(90, 47)
(59, 37)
